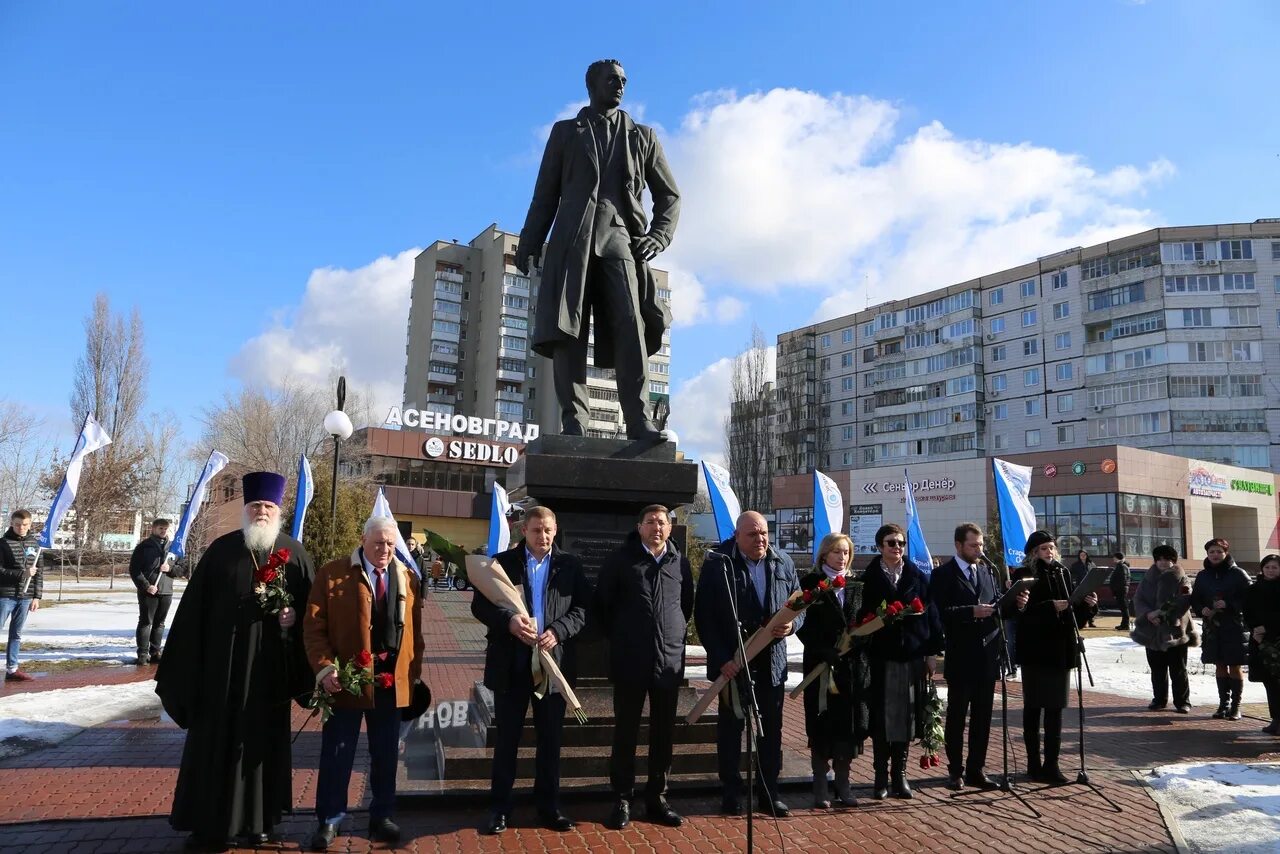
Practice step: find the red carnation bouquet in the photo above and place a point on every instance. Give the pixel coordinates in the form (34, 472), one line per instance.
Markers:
(269, 583)
(353, 676)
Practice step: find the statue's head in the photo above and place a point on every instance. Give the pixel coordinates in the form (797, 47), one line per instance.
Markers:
(606, 82)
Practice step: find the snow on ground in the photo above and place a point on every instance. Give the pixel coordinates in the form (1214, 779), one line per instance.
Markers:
(91, 622)
(42, 718)
(1119, 666)
(1222, 806)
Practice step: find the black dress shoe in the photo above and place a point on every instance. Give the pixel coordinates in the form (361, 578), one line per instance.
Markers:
(621, 815)
(644, 430)
(1053, 776)
(661, 812)
(497, 824)
(730, 805)
(1182, 709)
(1156, 705)
(981, 781)
(324, 836)
(955, 783)
(556, 821)
(775, 808)
(384, 830)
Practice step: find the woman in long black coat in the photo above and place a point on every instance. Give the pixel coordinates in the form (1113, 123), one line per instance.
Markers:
(1047, 652)
(834, 721)
(1218, 596)
(1262, 616)
(902, 656)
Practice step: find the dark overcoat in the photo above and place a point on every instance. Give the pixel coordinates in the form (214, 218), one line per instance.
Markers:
(566, 193)
(972, 645)
(1262, 608)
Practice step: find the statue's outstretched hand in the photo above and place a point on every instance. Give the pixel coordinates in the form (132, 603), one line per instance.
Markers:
(528, 259)
(645, 248)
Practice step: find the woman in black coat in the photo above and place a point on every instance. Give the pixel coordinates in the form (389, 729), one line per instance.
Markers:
(1218, 596)
(835, 722)
(1262, 616)
(902, 657)
(1047, 652)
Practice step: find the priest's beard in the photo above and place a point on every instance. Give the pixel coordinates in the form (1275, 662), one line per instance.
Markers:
(260, 536)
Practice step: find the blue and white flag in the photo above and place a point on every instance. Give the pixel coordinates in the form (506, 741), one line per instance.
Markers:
(382, 508)
(1017, 516)
(92, 437)
(828, 509)
(917, 548)
(724, 502)
(499, 527)
(306, 491)
(216, 463)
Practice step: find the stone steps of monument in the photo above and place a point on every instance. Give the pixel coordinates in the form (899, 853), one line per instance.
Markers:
(476, 763)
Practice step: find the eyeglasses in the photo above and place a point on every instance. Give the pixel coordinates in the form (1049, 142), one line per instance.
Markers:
(895, 544)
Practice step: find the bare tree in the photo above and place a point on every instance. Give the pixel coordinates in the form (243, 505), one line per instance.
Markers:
(25, 450)
(749, 430)
(266, 429)
(109, 383)
(166, 466)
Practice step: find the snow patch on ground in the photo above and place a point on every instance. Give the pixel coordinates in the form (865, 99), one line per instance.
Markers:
(92, 622)
(1222, 806)
(38, 719)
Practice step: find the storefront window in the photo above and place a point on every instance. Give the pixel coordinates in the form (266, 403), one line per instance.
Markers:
(795, 529)
(1147, 521)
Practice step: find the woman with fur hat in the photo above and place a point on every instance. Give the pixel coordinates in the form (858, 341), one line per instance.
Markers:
(1163, 624)
(1047, 652)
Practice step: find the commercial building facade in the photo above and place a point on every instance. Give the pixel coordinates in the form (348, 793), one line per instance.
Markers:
(467, 350)
(1166, 339)
(1103, 499)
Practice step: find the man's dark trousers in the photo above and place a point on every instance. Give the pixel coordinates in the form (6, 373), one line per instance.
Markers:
(628, 705)
(509, 709)
(152, 611)
(970, 699)
(729, 729)
(338, 753)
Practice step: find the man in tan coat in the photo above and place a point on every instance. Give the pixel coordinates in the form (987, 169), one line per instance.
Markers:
(366, 602)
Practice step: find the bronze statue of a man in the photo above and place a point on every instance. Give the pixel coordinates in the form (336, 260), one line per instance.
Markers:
(593, 172)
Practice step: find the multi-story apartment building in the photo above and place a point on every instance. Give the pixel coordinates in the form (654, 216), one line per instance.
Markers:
(1166, 339)
(470, 316)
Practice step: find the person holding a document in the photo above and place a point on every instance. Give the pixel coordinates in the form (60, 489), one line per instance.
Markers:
(1048, 652)
(965, 594)
(1163, 624)
(556, 594)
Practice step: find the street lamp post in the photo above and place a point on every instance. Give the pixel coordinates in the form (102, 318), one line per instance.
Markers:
(337, 425)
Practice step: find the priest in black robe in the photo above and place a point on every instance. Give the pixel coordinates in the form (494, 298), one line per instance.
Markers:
(229, 672)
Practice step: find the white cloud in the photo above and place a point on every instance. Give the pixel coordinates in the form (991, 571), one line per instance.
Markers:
(787, 187)
(352, 321)
(700, 405)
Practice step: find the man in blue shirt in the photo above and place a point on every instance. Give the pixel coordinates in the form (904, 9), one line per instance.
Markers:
(556, 594)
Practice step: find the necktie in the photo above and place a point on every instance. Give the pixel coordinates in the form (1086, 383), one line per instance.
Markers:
(380, 587)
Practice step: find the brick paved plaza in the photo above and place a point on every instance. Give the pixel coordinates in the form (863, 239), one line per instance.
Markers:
(108, 788)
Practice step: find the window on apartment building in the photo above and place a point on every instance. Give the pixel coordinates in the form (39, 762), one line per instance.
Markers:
(846, 335)
(1185, 251)
(1275, 250)
(1062, 341)
(1033, 438)
(1235, 250)
(1059, 280)
(1029, 317)
(1061, 310)
(846, 458)
(1066, 402)
(826, 341)
(1030, 346)
(868, 455)
(996, 297)
(1031, 406)
(846, 432)
(1066, 434)
(824, 364)
(1197, 317)
(1064, 371)
(1027, 288)
(1031, 377)
(999, 354)
(825, 387)
(999, 440)
(1000, 411)
(846, 360)
(846, 408)
(997, 323)
(999, 382)
(1242, 315)
(846, 383)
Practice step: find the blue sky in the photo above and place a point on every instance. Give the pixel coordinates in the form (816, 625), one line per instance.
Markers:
(201, 161)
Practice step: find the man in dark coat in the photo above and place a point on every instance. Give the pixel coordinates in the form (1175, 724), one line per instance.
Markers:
(644, 599)
(228, 674)
(593, 173)
(556, 594)
(1119, 584)
(761, 579)
(963, 591)
(152, 574)
(21, 586)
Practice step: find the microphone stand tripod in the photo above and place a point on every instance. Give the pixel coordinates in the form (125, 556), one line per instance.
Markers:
(747, 692)
(1082, 778)
(1002, 661)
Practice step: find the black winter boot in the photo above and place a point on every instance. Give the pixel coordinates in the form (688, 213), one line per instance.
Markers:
(1224, 697)
(1237, 692)
(880, 763)
(898, 777)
